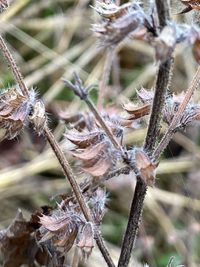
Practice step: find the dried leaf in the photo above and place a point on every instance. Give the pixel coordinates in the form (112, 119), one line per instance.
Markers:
(19, 246)
(146, 167)
(83, 140)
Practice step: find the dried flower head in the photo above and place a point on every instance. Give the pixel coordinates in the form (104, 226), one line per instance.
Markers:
(94, 150)
(15, 109)
(112, 32)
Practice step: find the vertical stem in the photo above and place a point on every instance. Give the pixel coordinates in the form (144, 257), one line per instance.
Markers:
(162, 82)
(105, 77)
(133, 224)
(13, 66)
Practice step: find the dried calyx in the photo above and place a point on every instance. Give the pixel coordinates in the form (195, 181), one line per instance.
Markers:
(17, 110)
(191, 4)
(66, 226)
(129, 20)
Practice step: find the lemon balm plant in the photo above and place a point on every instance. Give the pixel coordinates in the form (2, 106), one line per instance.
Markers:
(98, 137)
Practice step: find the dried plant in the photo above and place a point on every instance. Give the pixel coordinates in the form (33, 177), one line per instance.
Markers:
(97, 136)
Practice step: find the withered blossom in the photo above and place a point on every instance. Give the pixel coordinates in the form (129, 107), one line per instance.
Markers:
(15, 109)
(66, 226)
(146, 167)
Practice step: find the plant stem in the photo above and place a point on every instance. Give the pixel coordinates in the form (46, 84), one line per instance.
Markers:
(170, 132)
(101, 121)
(58, 153)
(105, 77)
(133, 223)
(161, 86)
(11, 62)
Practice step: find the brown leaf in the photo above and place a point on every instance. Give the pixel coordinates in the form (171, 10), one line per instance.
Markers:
(18, 245)
(83, 140)
(146, 167)
(137, 112)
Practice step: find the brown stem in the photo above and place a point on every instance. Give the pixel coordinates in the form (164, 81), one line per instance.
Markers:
(170, 132)
(13, 66)
(105, 77)
(58, 153)
(101, 121)
(133, 223)
(162, 82)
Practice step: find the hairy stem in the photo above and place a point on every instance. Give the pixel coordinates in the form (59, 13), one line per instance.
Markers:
(170, 131)
(105, 77)
(133, 224)
(161, 86)
(11, 62)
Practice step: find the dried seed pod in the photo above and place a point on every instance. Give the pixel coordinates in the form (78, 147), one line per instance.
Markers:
(14, 110)
(146, 167)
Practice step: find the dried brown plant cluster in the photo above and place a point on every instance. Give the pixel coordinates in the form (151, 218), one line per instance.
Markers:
(97, 138)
